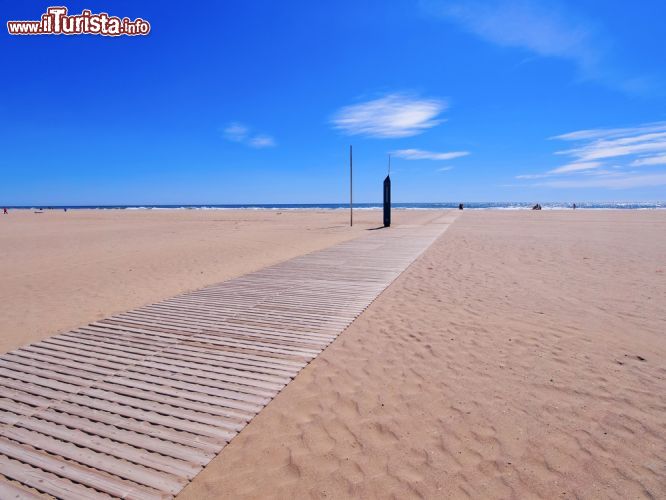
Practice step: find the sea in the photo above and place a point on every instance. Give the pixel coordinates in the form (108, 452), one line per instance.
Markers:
(471, 205)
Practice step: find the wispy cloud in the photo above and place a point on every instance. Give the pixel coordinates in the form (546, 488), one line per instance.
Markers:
(575, 167)
(262, 141)
(609, 157)
(614, 182)
(419, 154)
(391, 116)
(632, 144)
(610, 133)
(237, 132)
(649, 160)
(544, 29)
(564, 169)
(444, 169)
(531, 176)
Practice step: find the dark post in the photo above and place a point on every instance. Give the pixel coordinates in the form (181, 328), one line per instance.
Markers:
(387, 201)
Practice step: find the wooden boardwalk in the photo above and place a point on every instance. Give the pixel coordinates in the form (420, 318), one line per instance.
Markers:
(134, 406)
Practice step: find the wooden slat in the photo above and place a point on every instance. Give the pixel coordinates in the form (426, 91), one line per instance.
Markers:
(99, 461)
(164, 391)
(260, 392)
(73, 430)
(133, 406)
(66, 479)
(236, 374)
(15, 491)
(215, 430)
(200, 449)
(178, 444)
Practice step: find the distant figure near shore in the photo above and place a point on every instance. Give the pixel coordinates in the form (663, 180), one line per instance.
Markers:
(574, 206)
(4, 211)
(461, 206)
(536, 207)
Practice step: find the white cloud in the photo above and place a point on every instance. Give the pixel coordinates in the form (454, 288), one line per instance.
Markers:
(606, 158)
(625, 181)
(609, 133)
(564, 169)
(650, 160)
(541, 28)
(419, 154)
(601, 151)
(391, 116)
(575, 167)
(603, 144)
(532, 176)
(444, 169)
(237, 132)
(551, 29)
(262, 141)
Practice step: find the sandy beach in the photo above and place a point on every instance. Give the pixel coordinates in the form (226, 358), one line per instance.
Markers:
(522, 355)
(187, 313)
(64, 269)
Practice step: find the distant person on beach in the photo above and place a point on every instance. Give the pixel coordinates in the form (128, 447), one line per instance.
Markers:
(536, 207)
(4, 211)
(461, 206)
(574, 206)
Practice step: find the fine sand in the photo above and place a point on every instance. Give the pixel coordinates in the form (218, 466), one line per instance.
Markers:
(523, 355)
(62, 270)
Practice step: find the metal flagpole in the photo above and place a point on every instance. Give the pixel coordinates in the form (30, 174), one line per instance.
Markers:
(351, 183)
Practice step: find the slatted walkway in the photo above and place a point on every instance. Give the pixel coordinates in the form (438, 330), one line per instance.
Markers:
(134, 406)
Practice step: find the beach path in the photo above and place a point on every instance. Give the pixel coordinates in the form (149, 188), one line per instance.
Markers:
(135, 405)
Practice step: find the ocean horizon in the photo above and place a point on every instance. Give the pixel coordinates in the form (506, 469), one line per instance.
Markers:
(492, 205)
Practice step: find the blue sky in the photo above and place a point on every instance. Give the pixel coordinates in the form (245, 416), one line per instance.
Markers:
(257, 102)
